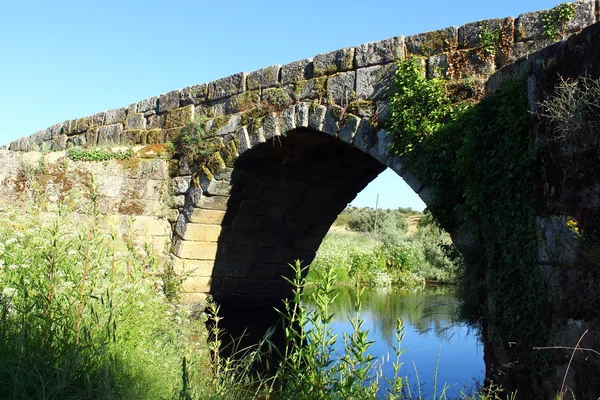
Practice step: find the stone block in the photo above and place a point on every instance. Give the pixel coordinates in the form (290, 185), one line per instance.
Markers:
(412, 181)
(365, 136)
(169, 101)
(437, 66)
(263, 78)
(379, 150)
(381, 52)
(374, 82)
(213, 202)
(243, 236)
(528, 26)
(270, 126)
(302, 114)
(298, 215)
(194, 298)
(156, 121)
(179, 117)
(244, 221)
(269, 224)
(275, 210)
(237, 285)
(263, 271)
(82, 124)
(311, 89)
(198, 284)
(151, 226)
(230, 269)
(289, 185)
(340, 88)
(348, 130)
(150, 104)
(427, 194)
(316, 117)
(335, 61)
(286, 119)
(110, 134)
(242, 135)
(275, 256)
(199, 232)
(297, 71)
(203, 216)
(225, 87)
(238, 253)
(254, 207)
(194, 94)
(218, 188)
(195, 250)
(128, 137)
(584, 16)
(434, 42)
(57, 129)
(135, 121)
(114, 116)
(330, 124)
(279, 197)
(180, 185)
(271, 239)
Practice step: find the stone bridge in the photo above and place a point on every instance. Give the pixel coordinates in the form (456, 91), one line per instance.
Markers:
(292, 145)
(285, 148)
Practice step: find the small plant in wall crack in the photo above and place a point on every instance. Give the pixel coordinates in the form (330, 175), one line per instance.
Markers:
(555, 20)
(489, 40)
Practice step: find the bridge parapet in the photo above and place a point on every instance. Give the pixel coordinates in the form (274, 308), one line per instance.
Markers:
(341, 77)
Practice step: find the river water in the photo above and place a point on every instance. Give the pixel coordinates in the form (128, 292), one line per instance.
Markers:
(432, 335)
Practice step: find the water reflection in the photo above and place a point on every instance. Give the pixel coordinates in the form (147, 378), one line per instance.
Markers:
(432, 328)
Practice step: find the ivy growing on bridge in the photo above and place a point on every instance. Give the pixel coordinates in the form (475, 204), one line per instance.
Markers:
(483, 165)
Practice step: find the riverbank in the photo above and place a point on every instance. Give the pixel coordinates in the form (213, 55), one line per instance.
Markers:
(408, 251)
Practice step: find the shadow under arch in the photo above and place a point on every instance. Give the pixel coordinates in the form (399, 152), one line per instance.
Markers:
(285, 194)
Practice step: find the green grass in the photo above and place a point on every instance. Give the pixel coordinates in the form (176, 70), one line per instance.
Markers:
(407, 260)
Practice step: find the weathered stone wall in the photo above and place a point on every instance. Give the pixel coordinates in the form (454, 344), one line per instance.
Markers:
(138, 187)
(568, 208)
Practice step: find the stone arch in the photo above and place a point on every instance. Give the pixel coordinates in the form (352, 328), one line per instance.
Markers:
(293, 174)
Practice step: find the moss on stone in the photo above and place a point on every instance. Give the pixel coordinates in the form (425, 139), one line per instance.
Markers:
(218, 123)
(363, 108)
(320, 88)
(246, 101)
(207, 173)
(229, 153)
(325, 71)
(277, 99)
(179, 117)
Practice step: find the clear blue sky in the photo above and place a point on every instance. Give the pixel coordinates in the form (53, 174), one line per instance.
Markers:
(61, 60)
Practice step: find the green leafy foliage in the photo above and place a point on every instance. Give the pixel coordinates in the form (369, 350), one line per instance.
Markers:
(555, 20)
(482, 164)
(79, 154)
(489, 40)
(419, 107)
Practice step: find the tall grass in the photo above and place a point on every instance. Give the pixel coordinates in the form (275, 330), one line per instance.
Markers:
(82, 311)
